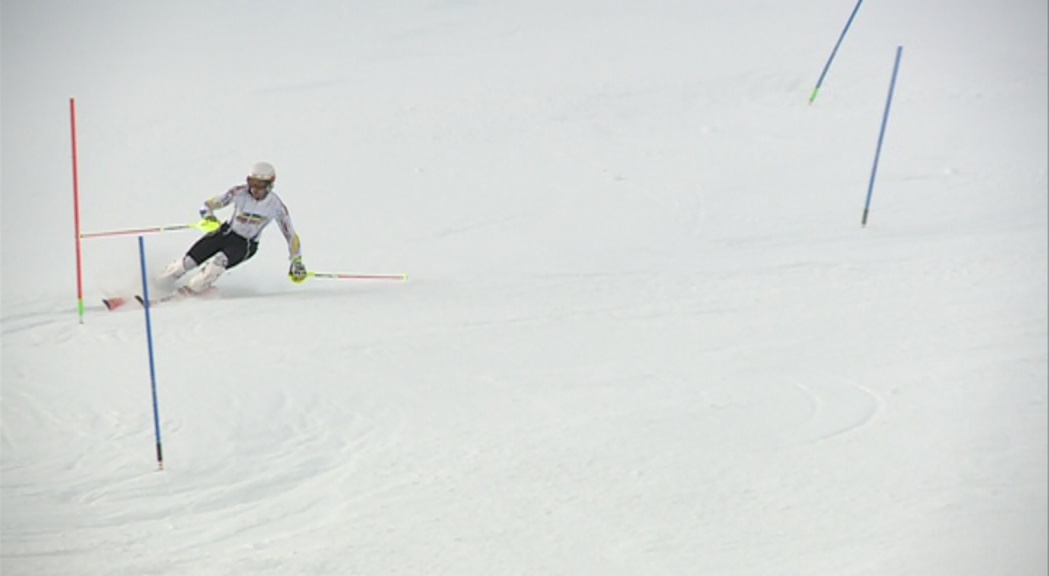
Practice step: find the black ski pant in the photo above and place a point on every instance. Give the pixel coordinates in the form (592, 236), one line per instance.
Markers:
(236, 247)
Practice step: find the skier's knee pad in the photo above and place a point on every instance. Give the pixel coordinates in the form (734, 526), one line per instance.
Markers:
(207, 276)
(175, 270)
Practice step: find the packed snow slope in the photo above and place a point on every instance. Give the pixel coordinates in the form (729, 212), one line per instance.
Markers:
(643, 330)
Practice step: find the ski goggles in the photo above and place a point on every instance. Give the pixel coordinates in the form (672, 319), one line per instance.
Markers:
(256, 185)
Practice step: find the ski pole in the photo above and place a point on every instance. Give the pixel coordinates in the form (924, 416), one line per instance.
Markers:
(203, 225)
(341, 276)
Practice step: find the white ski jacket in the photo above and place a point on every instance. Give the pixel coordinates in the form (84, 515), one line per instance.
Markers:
(251, 216)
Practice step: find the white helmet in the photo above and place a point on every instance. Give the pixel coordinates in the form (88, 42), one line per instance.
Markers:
(260, 179)
(263, 171)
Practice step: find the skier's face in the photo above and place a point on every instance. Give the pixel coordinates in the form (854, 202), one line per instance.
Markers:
(259, 188)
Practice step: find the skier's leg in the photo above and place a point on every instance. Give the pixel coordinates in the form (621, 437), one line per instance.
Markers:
(209, 244)
(232, 250)
(205, 247)
(208, 274)
(239, 251)
(174, 271)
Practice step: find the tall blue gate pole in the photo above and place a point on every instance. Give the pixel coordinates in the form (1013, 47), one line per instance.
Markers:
(881, 135)
(149, 343)
(826, 66)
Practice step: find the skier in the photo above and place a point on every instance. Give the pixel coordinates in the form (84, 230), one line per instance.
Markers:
(255, 205)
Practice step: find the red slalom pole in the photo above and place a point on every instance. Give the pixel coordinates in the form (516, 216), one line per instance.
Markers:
(203, 225)
(339, 276)
(132, 231)
(76, 213)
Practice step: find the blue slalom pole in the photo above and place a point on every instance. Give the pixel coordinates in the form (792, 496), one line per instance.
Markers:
(149, 342)
(826, 66)
(881, 135)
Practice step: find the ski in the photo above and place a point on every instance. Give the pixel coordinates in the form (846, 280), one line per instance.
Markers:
(115, 302)
(155, 301)
(179, 294)
(119, 302)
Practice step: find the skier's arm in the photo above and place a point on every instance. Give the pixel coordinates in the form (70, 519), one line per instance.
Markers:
(297, 271)
(288, 230)
(207, 210)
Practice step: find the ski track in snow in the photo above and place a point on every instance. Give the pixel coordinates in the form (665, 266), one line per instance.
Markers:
(837, 409)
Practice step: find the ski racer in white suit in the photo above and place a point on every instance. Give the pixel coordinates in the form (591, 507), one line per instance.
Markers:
(255, 205)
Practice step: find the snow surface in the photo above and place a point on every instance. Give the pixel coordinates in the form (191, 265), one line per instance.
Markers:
(643, 331)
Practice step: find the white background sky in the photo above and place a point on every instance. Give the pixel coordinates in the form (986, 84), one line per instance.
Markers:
(643, 331)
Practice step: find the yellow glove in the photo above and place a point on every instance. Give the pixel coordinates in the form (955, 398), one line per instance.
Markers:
(297, 273)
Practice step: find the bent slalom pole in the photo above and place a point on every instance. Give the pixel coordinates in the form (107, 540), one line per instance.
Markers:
(203, 225)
